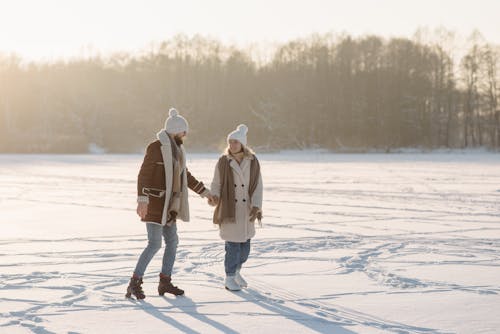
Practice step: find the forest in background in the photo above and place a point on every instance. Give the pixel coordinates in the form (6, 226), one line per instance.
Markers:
(325, 91)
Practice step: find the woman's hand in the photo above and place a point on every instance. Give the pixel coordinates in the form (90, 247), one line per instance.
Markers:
(255, 213)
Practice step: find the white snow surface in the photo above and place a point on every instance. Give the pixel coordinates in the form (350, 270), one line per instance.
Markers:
(374, 243)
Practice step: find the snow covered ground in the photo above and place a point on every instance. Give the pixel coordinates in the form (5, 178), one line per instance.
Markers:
(401, 243)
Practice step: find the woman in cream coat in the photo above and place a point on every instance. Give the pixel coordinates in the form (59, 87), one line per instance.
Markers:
(237, 190)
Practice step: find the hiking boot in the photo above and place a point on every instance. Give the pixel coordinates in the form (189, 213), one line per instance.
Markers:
(166, 285)
(135, 288)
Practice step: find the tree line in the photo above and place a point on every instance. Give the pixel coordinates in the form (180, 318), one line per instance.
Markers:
(325, 91)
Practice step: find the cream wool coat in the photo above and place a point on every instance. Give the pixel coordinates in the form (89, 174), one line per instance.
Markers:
(242, 229)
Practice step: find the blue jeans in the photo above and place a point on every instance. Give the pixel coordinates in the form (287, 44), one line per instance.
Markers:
(155, 233)
(236, 254)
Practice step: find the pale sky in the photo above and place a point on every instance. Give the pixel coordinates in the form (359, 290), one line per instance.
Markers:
(44, 29)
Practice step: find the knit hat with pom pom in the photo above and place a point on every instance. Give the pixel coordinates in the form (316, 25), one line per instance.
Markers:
(240, 134)
(175, 123)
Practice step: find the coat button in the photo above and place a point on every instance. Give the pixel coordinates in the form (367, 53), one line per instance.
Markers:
(235, 200)
(235, 184)
(244, 200)
(242, 185)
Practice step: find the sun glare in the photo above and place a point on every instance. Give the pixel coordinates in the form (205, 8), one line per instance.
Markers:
(64, 28)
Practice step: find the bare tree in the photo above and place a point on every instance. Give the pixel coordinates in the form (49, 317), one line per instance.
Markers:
(491, 61)
(471, 64)
(332, 91)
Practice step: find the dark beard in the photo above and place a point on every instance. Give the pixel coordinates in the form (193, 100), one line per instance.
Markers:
(178, 141)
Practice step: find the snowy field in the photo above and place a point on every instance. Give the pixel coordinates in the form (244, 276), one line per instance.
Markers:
(401, 243)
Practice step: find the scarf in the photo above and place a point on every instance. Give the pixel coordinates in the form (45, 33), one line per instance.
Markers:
(177, 178)
(238, 156)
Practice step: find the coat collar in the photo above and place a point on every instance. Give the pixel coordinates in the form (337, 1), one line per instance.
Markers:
(166, 152)
(163, 137)
(247, 156)
(239, 168)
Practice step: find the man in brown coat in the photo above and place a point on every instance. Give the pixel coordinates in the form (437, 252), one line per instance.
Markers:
(162, 198)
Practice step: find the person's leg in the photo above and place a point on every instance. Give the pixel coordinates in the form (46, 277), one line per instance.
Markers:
(154, 244)
(245, 251)
(232, 257)
(171, 242)
(231, 261)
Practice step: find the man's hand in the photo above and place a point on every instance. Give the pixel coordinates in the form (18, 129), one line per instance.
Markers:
(142, 209)
(255, 213)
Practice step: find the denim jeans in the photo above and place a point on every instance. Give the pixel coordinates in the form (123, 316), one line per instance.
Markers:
(236, 254)
(155, 233)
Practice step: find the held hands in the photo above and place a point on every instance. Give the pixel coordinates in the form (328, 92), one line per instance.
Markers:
(142, 209)
(213, 200)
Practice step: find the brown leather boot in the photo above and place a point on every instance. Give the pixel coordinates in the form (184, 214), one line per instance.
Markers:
(135, 288)
(166, 285)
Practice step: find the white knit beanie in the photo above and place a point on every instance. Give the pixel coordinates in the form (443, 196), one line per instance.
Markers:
(240, 134)
(175, 123)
